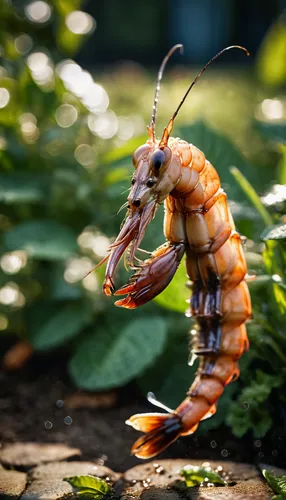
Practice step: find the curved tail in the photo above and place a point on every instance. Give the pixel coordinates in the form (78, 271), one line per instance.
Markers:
(216, 370)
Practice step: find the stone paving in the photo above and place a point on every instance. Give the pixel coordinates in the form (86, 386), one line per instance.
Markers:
(33, 471)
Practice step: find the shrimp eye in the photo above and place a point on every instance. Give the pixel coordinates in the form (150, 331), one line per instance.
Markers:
(150, 183)
(133, 181)
(158, 159)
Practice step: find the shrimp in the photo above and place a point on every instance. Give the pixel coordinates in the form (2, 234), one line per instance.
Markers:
(198, 224)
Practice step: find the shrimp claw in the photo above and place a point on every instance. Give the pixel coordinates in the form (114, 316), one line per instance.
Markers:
(152, 276)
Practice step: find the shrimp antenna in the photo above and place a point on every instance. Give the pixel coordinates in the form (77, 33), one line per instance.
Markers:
(168, 129)
(151, 129)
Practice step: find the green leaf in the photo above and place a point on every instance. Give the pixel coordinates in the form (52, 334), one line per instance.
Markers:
(282, 165)
(94, 486)
(64, 7)
(170, 376)
(174, 297)
(275, 132)
(249, 412)
(276, 232)
(50, 326)
(271, 58)
(277, 483)
(220, 151)
(251, 195)
(110, 357)
(42, 239)
(21, 188)
(195, 475)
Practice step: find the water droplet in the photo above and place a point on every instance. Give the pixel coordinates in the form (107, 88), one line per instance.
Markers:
(59, 403)
(159, 469)
(48, 424)
(224, 453)
(274, 453)
(245, 405)
(260, 454)
(68, 420)
(213, 444)
(257, 443)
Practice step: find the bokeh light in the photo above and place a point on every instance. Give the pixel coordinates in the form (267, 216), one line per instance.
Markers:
(66, 115)
(105, 125)
(23, 43)
(13, 262)
(77, 268)
(79, 82)
(80, 23)
(272, 109)
(276, 195)
(10, 295)
(84, 154)
(95, 98)
(3, 143)
(29, 129)
(41, 69)
(4, 97)
(92, 239)
(38, 11)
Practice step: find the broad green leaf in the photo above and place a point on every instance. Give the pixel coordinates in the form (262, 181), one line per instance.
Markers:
(195, 475)
(89, 484)
(20, 188)
(251, 195)
(42, 239)
(110, 357)
(275, 132)
(171, 376)
(276, 232)
(50, 327)
(220, 151)
(175, 296)
(271, 57)
(277, 483)
(60, 289)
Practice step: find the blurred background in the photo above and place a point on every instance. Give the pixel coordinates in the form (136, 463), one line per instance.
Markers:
(77, 81)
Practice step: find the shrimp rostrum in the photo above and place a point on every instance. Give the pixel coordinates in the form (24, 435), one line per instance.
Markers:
(198, 223)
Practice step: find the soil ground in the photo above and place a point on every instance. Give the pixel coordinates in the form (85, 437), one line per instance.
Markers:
(32, 410)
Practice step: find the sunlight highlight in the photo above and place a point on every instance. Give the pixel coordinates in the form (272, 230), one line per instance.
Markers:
(80, 22)
(272, 109)
(4, 97)
(13, 262)
(66, 115)
(38, 11)
(105, 125)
